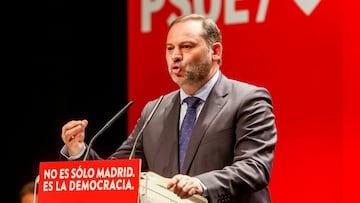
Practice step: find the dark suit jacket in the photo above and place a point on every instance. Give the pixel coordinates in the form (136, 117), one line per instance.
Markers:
(231, 149)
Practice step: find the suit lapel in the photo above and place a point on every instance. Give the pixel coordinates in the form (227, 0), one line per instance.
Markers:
(211, 108)
(167, 161)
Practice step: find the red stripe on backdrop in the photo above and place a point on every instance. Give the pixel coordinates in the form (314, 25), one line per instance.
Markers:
(351, 101)
(297, 51)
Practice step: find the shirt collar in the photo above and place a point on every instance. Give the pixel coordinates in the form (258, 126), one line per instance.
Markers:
(204, 91)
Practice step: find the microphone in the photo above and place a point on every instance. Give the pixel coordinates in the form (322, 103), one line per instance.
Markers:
(145, 124)
(35, 192)
(106, 126)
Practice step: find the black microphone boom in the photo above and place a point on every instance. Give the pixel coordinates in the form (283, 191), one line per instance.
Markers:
(145, 124)
(106, 126)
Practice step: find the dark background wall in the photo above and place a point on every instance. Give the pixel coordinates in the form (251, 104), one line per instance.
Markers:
(69, 62)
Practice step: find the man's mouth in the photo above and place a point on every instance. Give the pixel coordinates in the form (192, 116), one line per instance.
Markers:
(175, 68)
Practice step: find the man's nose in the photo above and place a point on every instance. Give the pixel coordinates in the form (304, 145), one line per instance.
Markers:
(176, 56)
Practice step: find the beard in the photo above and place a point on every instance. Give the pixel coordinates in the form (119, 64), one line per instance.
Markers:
(197, 72)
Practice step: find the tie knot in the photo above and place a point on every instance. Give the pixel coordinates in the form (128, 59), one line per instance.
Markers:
(192, 102)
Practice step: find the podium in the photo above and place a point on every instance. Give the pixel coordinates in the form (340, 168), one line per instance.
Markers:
(110, 181)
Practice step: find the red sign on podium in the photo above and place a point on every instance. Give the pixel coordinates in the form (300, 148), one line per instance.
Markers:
(91, 181)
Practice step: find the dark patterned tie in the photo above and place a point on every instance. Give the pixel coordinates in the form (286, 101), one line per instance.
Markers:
(187, 126)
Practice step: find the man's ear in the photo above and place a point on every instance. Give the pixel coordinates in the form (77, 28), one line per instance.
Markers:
(216, 51)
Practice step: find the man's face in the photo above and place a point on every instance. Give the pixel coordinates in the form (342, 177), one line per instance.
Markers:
(188, 57)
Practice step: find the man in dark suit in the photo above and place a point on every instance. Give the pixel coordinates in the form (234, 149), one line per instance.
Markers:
(229, 155)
